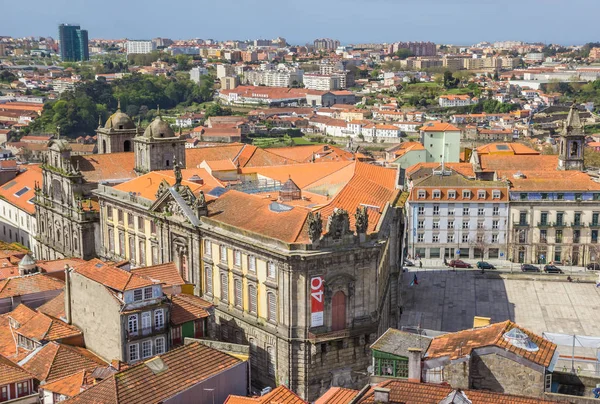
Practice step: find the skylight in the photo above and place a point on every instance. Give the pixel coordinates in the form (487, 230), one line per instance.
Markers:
(519, 339)
(21, 191)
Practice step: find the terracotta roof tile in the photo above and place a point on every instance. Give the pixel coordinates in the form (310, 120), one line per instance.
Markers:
(54, 307)
(305, 154)
(279, 395)
(167, 274)
(195, 156)
(438, 127)
(112, 277)
(302, 174)
(457, 344)
(186, 366)
(337, 395)
(506, 148)
(106, 167)
(59, 265)
(54, 361)
(10, 372)
(27, 284)
(20, 190)
(69, 385)
(186, 308)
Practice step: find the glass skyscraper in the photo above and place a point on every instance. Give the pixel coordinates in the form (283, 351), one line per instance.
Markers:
(73, 43)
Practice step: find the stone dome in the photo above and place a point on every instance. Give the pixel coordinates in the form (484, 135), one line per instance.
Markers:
(119, 120)
(159, 129)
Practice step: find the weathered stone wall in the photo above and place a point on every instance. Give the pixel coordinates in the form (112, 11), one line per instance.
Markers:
(500, 374)
(457, 374)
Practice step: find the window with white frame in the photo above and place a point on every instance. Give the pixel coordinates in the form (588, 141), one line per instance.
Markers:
(4, 393)
(271, 270)
(465, 237)
(450, 237)
(159, 345)
(421, 210)
(420, 237)
(465, 225)
(494, 238)
(146, 322)
(134, 353)
(132, 324)
(272, 307)
(251, 263)
(237, 283)
(495, 224)
(437, 194)
(224, 287)
(466, 194)
(148, 293)
(421, 224)
(451, 211)
(253, 301)
(480, 238)
(436, 210)
(451, 194)
(146, 349)
(159, 319)
(207, 248)
(138, 295)
(496, 210)
(436, 224)
(480, 211)
(421, 194)
(480, 225)
(223, 253)
(466, 211)
(208, 273)
(495, 194)
(435, 238)
(237, 258)
(481, 194)
(451, 224)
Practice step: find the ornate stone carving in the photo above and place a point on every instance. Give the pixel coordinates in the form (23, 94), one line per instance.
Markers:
(362, 220)
(315, 226)
(178, 176)
(338, 224)
(162, 188)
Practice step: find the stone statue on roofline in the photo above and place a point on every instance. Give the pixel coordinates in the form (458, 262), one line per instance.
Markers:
(178, 175)
(315, 226)
(361, 218)
(338, 224)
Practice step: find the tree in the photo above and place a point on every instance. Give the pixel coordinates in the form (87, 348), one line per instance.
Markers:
(449, 80)
(404, 53)
(6, 76)
(480, 243)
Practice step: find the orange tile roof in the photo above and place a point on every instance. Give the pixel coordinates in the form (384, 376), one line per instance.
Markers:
(458, 344)
(54, 361)
(305, 154)
(302, 174)
(438, 127)
(27, 284)
(195, 156)
(10, 372)
(279, 395)
(220, 165)
(23, 183)
(42, 327)
(337, 395)
(112, 277)
(185, 367)
(106, 167)
(406, 392)
(186, 308)
(513, 148)
(54, 307)
(21, 314)
(7, 269)
(70, 385)
(59, 265)
(167, 274)
(465, 169)
(408, 146)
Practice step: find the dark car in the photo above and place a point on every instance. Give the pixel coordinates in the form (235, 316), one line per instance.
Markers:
(459, 264)
(485, 265)
(593, 266)
(552, 269)
(529, 268)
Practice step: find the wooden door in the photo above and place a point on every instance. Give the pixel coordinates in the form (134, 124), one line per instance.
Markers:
(338, 311)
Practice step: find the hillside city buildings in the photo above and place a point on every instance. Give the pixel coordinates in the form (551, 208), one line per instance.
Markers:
(73, 43)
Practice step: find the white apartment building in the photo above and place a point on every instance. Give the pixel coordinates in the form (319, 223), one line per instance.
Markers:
(197, 72)
(322, 82)
(224, 70)
(455, 101)
(452, 216)
(280, 77)
(139, 46)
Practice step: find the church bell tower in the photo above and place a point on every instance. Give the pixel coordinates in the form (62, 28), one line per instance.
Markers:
(571, 143)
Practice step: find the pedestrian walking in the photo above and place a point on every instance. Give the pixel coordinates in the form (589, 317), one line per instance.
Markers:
(421, 264)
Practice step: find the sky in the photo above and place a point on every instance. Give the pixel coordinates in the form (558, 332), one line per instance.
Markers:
(461, 22)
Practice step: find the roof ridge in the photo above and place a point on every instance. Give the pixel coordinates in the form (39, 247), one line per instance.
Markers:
(331, 173)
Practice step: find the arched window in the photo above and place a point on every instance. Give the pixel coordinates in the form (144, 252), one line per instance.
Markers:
(338, 311)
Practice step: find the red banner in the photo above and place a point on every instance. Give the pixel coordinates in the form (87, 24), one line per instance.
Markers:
(317, 304)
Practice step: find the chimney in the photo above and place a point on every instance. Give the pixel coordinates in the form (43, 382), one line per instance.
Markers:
(381, 395)
(67, 294)
(414, 364)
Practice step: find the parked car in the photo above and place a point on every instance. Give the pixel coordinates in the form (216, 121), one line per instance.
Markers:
(552, 269)
(459, 264)
(408, 263)
(485, 265)
(529, 268)
(593, 266)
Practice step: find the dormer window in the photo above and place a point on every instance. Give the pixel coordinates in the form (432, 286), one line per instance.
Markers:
(138, 295)
(495, 194)
(421, 194)
(481, 194)
(466, 194)
(437, 194)
(452, 194)
(148, 293)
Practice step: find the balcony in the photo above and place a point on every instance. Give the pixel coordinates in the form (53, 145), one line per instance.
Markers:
(544, 224)
(521, 224)
(577, 224)
(559, 224)
(594, 224)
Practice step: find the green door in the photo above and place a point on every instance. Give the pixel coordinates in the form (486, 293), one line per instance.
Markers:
(187, 329)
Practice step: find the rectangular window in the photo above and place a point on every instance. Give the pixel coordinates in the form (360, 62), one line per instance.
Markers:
(131, 247)
(495, 194)
(481, 194)
(559, 218)
(122, 243)
(421, 210)
(465, 237)
(152, 227)
(495, 224)
(595, 217)
(494, 239)
(159, 346)
(435, 238)
(271, 270)
(224, 287)
(252, 299)
(159, 319)
(544, 218)
(450, 211)
(466, 194)
(272, 303)
(146, 322)
(238, 292)
(251, 263)
(436, 224)
(133, 352)
(522, 218)
(130, 220)
(111, 240)
(480, 225)
(437, 194)
(148, 293)
(223, 253)
(544, 196)
(132, 324)
(466, 211)
(594, 236)
(465, 225)
(208, 273)
(207, 248)
(436, 210)
(578, 197)
(4, 393)
(496, 210)
(109, 212)
(451, 194)
(576, 236)
(450, 224)
(577, 217)
(421, 224)
(120, 216)
(146, 349)
(237, 258)
(141, 224)
(138, 295)
(451, 237)
(480, 211)
(543, 236)
(421, 194)
(559, 236)
(154, 255)
(596, 197)
(560, 197)
(523, 196)
(420, 237)
(142, 252)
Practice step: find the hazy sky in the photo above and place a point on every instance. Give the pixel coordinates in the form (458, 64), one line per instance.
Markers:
(300, 21)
